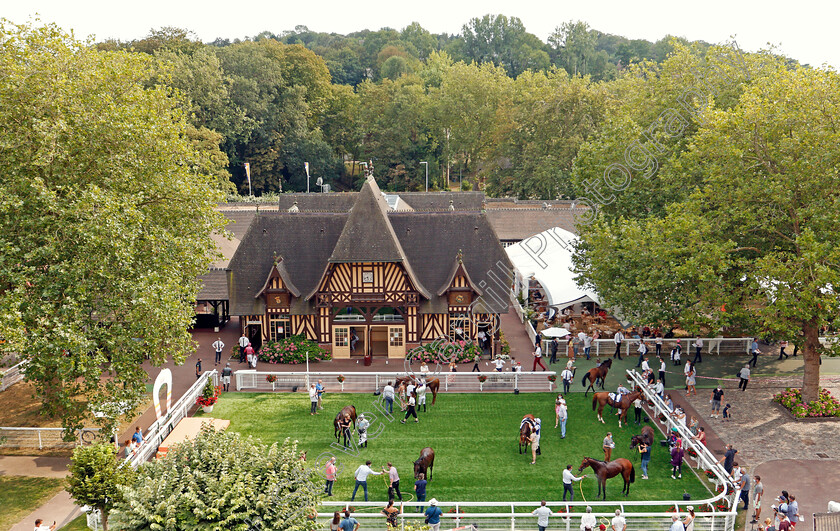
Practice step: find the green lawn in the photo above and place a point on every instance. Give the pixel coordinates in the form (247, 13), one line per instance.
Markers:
(475, 440)
(79, 524)
(20, 495)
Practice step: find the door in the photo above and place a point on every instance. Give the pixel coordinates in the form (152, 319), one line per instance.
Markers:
(341, 342)
(255, 334)
(396, 341)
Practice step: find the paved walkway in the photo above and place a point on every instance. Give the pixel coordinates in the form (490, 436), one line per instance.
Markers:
(60, 508)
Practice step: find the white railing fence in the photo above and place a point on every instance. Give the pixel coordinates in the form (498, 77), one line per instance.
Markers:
(630, 347)
(12, 375)
(368, 382)
(162, 427)
(40, 438)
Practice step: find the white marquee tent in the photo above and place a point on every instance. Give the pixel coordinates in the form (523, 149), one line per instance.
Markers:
(547, 257)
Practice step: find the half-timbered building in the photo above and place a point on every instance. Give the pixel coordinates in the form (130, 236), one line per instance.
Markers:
(369, 273)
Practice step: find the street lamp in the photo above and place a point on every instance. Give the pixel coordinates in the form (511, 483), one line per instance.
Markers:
(427, 174)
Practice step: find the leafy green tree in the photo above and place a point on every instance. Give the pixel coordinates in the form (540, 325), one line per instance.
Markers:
(219, 481)
(503, 42)
(95, 477)
(754, 245)
(106, 211)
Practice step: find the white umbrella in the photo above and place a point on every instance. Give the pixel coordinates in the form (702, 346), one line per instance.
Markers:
(555, 332)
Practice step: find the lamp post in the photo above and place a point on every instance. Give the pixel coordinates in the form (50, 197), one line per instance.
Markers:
(427, 174)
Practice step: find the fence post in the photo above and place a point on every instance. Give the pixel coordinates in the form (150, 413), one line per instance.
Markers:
(40, 445)
(512, 519)
(516, 380)
(376, 382)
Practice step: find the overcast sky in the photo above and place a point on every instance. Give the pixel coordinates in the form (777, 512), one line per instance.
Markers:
(805, 30)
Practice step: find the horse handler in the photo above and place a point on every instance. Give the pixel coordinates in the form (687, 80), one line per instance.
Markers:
(608, 447)
(535, 441)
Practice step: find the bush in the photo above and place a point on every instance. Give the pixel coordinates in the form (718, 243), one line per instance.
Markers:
(824, 406)
(445, 351)
(292, 350)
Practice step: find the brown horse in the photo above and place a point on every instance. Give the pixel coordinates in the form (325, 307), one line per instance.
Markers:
(646, 437)
(623, 405)
(425, 463)
(346, 411)
(525, 431)
(595, 374)
(605, 471)
(432, 385)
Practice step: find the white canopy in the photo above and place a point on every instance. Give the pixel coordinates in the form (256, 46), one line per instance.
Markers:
(547, 257)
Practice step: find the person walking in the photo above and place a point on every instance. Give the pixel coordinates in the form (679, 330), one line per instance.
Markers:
(793, 511)
(410, 410)
(661, 370)
(562, 414)
(226, 373)
(349, 524)
(744, 375)
(566, 376)
(588, 521)
(690, 382)
(677, 455)
(362, 426)
(420, 490)
(717, 397)
(644, 451)
(608, 446)
(587, 345)
(542, 513)
(394, 482)
(568, 479)
(698, 344)
(755, 352)
(313, 399)
(642, 352)
(218, 346)
(432, 515)
(476, 360)
(198, 368)
(388, 395)
(538, 358)
(676, 353)
(319, 387)
(618, 338)
(687, 370)
(360, 475)
(758, 492)
(782, 346)
(251, 356)
(243, 344)
(552, 350)
(329, 472)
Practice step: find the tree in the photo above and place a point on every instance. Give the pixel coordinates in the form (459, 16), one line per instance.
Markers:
(503, 42)
(105, 220)
(95, 477)
(755, 246)
(221, 480)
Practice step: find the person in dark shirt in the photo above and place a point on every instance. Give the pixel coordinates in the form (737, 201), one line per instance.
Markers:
(420, 490)
(728, 458)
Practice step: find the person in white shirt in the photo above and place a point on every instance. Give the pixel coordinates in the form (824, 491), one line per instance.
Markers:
(388, 396)
(421, 395)
(587, 345)
(659, 388)
(243, 344)
(535, 441)
(662, 370)
(362, 426)
(698, 344)
(361, 474)
(41, 526)
(566, 376)
(645, 365)
(538, 358)
(587, 521)
(561, 415)
(424, 369)
(618, 338)
(499, 363)
(542, 513)
(618, 522)
(313, 399)
(568, 478)
(218, 346)
(744, 375)
(642, 352)
(676, 525)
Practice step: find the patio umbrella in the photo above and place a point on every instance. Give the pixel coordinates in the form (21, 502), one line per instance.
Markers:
(555, 332)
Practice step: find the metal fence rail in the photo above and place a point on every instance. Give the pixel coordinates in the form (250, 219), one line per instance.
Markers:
(14, 437)
(367, 382)
(12, 375)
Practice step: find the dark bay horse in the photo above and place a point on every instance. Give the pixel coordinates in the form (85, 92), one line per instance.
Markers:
(425, 463)
(646, 437)
(605, 471)
(348, 412)
(595, 374)
(432, 385)
(525, 431)
(623, 405)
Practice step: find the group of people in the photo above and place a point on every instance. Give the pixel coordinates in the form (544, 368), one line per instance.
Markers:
(411, 396)
(133, 444)
(316, 394)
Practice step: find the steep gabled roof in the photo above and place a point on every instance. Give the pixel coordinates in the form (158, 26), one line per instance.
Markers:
(284, 275)
(457, 267)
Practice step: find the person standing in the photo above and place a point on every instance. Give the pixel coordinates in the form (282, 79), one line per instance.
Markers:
(420, 490)
(251, 356)
(677, 455)
(349, 524)
(562, 414)
(538, 358)
(198, 368)
(535, 441)
(717, 397)
(637, 410)
(388, 396)
(319, 387)
(645, 365)
(394, 482)
(137, 438)
(758, 492)
(476, 360)
(642, 352)
(226, 373)
(566, 376)
(41, 526)
(421, 395)
(676, 353)
(728, 458)
(362, 426)
(552, 349)
(698, 344)
(744, 484)
(659, 388)
(658, 343)
(676, 525)
(618, 522)
(744, 375)
(361, 476)
(686, 371)
(313, 399)
(432, 514)
(542, 513)
(587, 521)
(243, 344)
(782, 346)
(690, 381)
(661, 370)
(688, 523)
(218, 346)
(391, 513)
(608, 445)
(329, 473)
(644, 451)
(618, 338)
(410, 410)
(793, 511)
(568, 479)
(587, 345)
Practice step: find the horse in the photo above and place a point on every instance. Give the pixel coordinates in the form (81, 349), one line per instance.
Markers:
(349, 411)
(645, 438)
(623, 405)
(525, 431)
(596, 373)
(432, 385)
(425, 463)
(605, 471)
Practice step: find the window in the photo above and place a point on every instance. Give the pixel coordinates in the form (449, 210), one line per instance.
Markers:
(342, 337)
(395, 337)
(459, 326)
(279, 327)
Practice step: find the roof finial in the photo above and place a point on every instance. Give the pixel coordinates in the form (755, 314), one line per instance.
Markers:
(460, 257)
(294, 208)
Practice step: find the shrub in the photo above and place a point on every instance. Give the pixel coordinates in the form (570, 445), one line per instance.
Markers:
(824, 406)
(444, 352)
(209, 395)
(292, 350)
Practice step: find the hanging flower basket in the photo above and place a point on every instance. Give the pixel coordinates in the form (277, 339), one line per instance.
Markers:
(552, 378)
(340, 378)
(271, 378)
(482, 378)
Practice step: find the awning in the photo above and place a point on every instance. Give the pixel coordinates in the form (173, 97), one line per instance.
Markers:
(547, 257)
